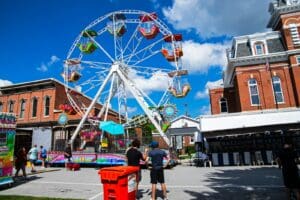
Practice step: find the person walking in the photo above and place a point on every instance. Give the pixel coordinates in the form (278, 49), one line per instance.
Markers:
(68, 155)
(157, 170)
(287, 161)
(43, 155)
(20, 163)
(133, 156)
(33, 156)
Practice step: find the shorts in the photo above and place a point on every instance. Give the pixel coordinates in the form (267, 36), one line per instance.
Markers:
(157, 175)
(32, 161)
(68, 160)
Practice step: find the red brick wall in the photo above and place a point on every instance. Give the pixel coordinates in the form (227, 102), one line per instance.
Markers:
(285, 20)
(238, 97)
(57, 96)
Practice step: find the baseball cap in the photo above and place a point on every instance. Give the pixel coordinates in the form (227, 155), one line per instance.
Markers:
(154, 144)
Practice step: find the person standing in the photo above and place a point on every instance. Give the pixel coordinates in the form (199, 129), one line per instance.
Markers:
(43, 155)
(68, 155)
(133, 156)
(157, 171)
(20, 162)
(33, 156)
(287, 161)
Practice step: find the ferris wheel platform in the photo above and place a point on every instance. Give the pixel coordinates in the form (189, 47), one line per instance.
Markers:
(87, 159)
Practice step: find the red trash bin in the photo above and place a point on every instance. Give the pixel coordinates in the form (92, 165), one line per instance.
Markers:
(119, 182)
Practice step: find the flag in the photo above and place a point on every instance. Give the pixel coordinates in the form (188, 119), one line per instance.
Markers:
(267, 65)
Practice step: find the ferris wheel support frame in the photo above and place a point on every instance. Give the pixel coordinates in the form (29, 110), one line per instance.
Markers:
(138, 95)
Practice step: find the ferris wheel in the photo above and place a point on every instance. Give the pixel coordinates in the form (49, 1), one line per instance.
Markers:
(111, 56)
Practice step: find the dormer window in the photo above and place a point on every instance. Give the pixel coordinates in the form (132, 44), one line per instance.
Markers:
(259, 48)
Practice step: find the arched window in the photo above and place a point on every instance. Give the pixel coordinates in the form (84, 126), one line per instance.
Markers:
(47, 106)
(223, 105)
(295, 34)
(278, 95)
(259, 48)
(22, 108)
(253, 90)
(11, 106)
(34, 106)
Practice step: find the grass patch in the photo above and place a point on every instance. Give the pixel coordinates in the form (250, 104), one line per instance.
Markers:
(13, 197)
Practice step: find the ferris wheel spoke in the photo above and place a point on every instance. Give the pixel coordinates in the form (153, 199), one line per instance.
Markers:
(151, 53)
(131, 39)
(139, 40)
(102, 49)
(144, 51)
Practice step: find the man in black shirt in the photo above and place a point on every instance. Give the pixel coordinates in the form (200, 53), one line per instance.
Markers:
(68, 155)
(134, 156)
(287, 161)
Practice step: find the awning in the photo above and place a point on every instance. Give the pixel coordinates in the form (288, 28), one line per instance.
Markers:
(112, 127)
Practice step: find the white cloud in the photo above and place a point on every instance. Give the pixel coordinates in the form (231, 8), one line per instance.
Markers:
(199, 57)
(214, 84)
(156, 82)
(209, 85)
(216, 18)
(44, 67)
(53, 59)
(202, 94)
(5, 83)
(130, 110)
(205, 110)
(155, 3)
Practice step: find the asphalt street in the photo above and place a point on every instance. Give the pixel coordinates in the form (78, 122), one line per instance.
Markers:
(183, 182)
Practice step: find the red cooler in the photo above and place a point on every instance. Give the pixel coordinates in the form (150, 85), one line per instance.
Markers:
(119, 182)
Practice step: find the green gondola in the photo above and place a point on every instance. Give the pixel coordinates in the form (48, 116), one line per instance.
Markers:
(87, 48)
(89, 33)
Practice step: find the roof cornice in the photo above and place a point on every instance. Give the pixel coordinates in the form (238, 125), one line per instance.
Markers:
(277, 11)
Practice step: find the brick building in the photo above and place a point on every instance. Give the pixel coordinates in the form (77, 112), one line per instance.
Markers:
(37, 107)
(257, 105)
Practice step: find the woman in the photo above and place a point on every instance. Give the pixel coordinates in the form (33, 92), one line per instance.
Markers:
(20, 162)
(33, 156)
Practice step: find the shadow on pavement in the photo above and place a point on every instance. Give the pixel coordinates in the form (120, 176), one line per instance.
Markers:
(252, 184)
(19, 181)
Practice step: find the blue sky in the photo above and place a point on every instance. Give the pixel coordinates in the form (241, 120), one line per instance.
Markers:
(37, 35)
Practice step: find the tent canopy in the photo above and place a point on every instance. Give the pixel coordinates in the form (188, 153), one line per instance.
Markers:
(112, 127)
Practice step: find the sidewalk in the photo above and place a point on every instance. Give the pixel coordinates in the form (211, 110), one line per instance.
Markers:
(38, 169)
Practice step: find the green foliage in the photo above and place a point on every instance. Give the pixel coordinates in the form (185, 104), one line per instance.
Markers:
(190, 149)
(185, 156)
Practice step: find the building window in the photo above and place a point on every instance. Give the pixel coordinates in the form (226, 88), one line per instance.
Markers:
(259, 49)
(1, 107)
(278, 95)
(34, 106)
(298, 59)
(295, 34)
(253, 90)
(11, 106)
(223, 105)
(22, 108)
(47, 106)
